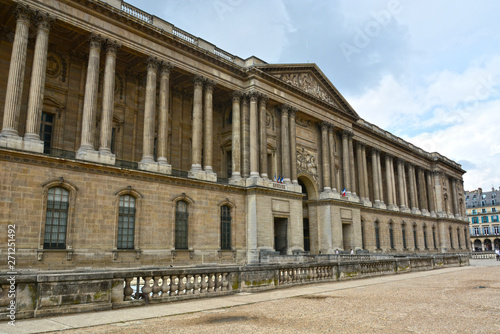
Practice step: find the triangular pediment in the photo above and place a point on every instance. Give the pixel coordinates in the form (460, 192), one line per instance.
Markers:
(309, 79)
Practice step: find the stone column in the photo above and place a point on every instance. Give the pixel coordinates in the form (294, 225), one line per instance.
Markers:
(352, 167)
(376, 187)
(208, 129)
(365, 176)
(254, 136)
(35, 102)
(423, 192)
(438, 193)
(453, 185)
(245, 136)
(163, 115)
(380, 183)
(197, 129)
(263, 136)
(236, 138)
(149, 114)
(331, 142)
(388, 176)
(359, 158)
(393, 185)
(430, 194)
(413, 190)
(345, 161)
(285, 144)
(325, 157)
(90, 99)
(9, 136)
(108, 101)
(293, 146)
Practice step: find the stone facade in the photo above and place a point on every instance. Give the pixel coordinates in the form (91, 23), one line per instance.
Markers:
(105, 104)
(483, 211)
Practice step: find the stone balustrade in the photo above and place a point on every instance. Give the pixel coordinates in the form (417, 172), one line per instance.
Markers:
(41, 294)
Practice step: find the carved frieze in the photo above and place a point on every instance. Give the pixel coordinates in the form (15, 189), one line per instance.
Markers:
(306, 162)
(306, 123)
(307, 83)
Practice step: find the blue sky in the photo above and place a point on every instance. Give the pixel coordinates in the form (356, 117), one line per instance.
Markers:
(427, 71)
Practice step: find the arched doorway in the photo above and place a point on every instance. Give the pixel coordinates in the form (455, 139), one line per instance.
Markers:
(478, 246)
(497, 243)
(487, 245)
(308, 220)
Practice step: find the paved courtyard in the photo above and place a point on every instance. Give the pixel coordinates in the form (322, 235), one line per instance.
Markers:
(452, 300)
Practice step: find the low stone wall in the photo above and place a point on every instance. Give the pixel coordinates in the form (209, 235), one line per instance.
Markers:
(483, 255)
(47, 294)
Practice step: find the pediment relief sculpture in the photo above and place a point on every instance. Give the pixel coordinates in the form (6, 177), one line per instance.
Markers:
(307, 83)
(306, 162)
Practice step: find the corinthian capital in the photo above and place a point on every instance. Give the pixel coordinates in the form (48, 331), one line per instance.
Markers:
(95, 41)
(43, 20)
(198, 80)
(112, 46)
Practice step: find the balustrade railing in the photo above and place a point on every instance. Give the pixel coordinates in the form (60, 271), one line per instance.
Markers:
(136, 12)
(163, 286)
(185, 36)
(305, 274)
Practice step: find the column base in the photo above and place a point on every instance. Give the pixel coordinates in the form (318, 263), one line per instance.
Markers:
(393, 207)
(433, 214)
(416, 211)
(11, 141)
(237, 180)
(96, 156)
(156, 167)
(353, 198)
(425, 213)
(200, 174)
(33, 145)
(404, 209)
(441, 214)
(366, 202)
(328, 194)
(379, 205)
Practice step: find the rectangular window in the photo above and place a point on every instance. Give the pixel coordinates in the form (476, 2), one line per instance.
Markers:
(451, 238)
(181, 225)
(126, 222)
(493, 209)
(486, 230)
(391, 236)
(475, 231)
(377, 236)
(225, 221)
(425, 237)
(494, 219)
(475, 220)
(496, 230)
(483, 210)
(484, 219)
(46, 126)
(474, 212)
(434, 237)
(403, 233)
(56, 218)
(415, 240)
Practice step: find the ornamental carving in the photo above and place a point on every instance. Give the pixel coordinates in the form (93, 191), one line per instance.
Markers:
(303, 122)
(306, 162)
(307, 83)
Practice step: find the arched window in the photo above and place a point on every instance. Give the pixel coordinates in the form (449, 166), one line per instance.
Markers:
(181, 225)
(403, 234)
(458, 238)
(225, 227)
(56, 218)
(391, 235)
(466, 239)
(425, 236)
(377, 235)
(126, 222)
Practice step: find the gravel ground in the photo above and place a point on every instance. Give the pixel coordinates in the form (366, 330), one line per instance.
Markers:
(467, 301)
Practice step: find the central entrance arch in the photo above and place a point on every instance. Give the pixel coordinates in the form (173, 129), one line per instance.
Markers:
(309, 221)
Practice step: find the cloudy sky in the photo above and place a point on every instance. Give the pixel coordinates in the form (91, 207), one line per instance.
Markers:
(428, 71)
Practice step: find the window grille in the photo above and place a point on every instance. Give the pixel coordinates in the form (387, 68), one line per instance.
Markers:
(56, 218)
(225, 225)
(126, 222)
(181, 225)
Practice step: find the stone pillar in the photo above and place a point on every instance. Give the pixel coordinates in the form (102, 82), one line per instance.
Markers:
(345, 162)
(391, 199)
(9, 136)
(352, 167)
(197, 128)
(35, 102)
(331, 142)
(453, 185)
(254, 136)
(149, 114)
(380, 183)
(293, 146)
(376, 187)
(163, 116)
(438, 193)
(325, 157)
(108, 101)
(86, 150)
(403, 205)
(236, 139)
(263, 136)
(208, 128)
(367, 201)
(361, 180)
(245, 136)
(423, 192)
(285, 144)
(430, 194)
(413, 190)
